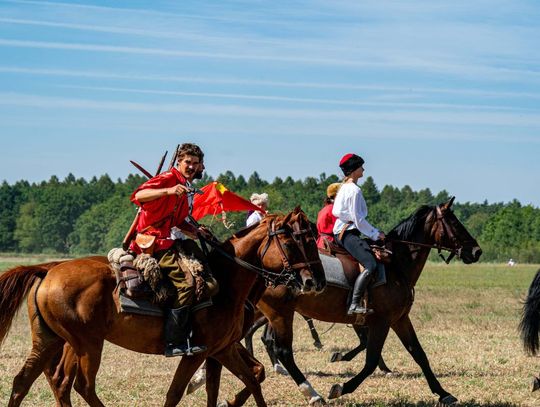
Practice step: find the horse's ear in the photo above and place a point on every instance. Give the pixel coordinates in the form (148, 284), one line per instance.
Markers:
(287, 218)
(297, 210)
(445, 206)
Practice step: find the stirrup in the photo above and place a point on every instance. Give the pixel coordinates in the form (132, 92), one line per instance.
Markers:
(357, 309)
(172, 350)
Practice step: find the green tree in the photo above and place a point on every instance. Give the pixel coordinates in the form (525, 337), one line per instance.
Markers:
(27, 227)
(370, 192)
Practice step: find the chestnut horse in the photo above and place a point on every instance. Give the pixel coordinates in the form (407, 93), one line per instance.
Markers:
(73, 308)
(429, 227)
(529, 325)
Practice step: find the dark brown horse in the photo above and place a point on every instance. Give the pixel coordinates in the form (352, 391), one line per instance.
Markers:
(429, 227)
(529, 325)
(73, 308)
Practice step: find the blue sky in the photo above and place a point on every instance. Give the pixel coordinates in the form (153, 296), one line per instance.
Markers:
(439, 95)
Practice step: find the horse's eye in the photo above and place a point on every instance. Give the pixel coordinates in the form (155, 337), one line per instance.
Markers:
(288, 246)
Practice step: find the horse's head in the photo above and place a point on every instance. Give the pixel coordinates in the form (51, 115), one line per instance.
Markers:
(306, 241)
(447, 232)
(291, 248)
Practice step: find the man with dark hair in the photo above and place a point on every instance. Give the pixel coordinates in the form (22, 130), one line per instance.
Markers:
(166, 202)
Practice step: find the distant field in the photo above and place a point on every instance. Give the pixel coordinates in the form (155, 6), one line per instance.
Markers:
(466, 318)
(10, 260)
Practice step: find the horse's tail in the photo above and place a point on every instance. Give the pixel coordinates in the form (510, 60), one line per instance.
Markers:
(14, 286)
(530, 318)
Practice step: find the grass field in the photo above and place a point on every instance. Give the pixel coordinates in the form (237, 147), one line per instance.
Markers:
(465, 316)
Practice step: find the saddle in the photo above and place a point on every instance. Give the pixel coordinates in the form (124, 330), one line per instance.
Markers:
(351, 267)
(143, 289)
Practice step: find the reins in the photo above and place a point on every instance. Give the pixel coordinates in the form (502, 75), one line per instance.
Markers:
(266, 274)
(431, 246)
(269, 276)
(453, 251)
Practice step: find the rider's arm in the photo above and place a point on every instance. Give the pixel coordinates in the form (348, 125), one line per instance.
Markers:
(359, 213)
(150, 194)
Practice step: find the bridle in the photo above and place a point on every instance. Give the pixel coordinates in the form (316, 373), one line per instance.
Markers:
(287, 274)
(297, 234)
(446, 230)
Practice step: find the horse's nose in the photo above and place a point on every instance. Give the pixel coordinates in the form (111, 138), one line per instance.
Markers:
(321, 284)
(477, 252)
(308, 285)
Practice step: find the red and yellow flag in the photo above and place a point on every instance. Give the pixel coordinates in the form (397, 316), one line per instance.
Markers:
(217, 199)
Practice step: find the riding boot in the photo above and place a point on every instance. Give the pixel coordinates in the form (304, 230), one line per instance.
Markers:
(177, 333)
(360, 285)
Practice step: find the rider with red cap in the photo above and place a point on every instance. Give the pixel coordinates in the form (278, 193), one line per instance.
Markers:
(351, 211)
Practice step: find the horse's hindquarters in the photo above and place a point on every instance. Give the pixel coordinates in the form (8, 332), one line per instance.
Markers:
(76, 301)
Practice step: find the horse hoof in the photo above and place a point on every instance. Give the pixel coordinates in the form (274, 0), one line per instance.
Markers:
(536, 384)
(198, 380)
(222, 404)
(317, 401)
(318, 345)
(280, 370)
(447, 400)
(335, 391)
(336, 357)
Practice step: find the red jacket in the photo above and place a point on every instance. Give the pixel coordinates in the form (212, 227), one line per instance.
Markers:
(158, 216)
(325, 225)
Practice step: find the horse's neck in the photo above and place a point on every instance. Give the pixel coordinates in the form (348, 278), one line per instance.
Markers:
(238, 284)
(414, 258)
(417, 266)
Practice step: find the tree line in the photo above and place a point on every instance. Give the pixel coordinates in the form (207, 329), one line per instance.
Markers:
(77, 217)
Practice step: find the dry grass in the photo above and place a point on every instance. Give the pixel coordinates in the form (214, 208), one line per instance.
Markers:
(466, 318)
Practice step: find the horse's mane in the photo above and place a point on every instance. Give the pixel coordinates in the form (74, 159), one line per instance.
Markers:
(246, 229)
(405, 229)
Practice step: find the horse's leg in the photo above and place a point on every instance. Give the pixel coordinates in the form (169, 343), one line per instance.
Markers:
(314, 334)
(249, 336)
(268, 339)
(200, 376)
(213, 378)
(198, 379)
(45, 346)
(233, 358)
(376, 336)
(283, 329)
(89, 359)
(361, 332)
(60, 374)
(257, 369)
(535, 384)
(186, 368)
(405, 331)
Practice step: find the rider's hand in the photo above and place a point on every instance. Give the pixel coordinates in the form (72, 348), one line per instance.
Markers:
(178, 189)
(203, 230)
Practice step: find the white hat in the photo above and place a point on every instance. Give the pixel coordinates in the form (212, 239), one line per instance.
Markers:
(259, 199)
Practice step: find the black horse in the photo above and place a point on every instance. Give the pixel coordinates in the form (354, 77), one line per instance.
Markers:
(429, 227)
(530, 322)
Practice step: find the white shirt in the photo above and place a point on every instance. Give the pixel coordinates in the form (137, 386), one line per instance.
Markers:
(254, 218)
(350, 206)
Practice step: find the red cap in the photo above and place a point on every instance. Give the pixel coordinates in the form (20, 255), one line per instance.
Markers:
(345, 158)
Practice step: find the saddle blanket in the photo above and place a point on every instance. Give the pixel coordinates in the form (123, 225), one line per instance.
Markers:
(142, 306)
(333, 271)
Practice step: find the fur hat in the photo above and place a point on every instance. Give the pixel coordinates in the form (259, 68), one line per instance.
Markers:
(350, 162)
(259, 199)
(333, 189)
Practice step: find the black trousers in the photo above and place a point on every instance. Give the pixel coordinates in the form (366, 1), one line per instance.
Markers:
(358, 248)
